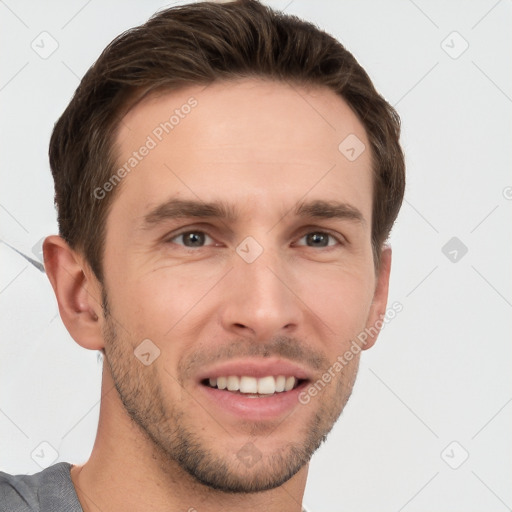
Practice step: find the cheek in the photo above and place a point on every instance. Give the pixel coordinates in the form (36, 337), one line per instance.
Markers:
(181, 302)
(341, 299)
(160, 303)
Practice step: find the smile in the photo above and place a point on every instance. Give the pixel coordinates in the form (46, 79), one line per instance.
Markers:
(252, 386)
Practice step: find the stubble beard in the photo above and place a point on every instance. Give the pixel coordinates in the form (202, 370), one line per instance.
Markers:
(175, 442)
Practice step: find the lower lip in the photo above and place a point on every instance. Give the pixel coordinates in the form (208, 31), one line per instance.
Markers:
(257, 408)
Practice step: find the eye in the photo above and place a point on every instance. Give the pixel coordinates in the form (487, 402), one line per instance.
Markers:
(319, 239)
(191, 239)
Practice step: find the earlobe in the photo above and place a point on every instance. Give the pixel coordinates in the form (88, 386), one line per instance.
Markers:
(77, 292)
(380, 299)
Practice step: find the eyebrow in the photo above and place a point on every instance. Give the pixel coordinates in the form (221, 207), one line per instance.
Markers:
(181, 208)
(329, 210)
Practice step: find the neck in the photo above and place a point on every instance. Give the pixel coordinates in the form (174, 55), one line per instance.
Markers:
(126, 471)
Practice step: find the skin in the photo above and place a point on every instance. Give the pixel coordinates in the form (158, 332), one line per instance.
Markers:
(263, 147)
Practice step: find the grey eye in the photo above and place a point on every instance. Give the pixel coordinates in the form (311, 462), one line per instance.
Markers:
(191, 239)
(318, 239)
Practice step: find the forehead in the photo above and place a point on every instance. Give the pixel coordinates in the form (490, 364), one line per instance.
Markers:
(243, 141)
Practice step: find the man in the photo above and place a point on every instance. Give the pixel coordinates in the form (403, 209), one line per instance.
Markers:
(226, 178)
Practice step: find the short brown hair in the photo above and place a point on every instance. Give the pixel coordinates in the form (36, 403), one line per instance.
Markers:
(198, 44)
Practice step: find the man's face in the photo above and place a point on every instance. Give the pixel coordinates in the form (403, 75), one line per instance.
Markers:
(278, 287)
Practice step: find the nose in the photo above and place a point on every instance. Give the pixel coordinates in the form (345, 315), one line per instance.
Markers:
(261, 299)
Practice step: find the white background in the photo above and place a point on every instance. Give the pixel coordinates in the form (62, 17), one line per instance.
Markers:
(440, 371)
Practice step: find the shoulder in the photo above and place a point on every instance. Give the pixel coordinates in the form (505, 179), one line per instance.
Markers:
(49, 490)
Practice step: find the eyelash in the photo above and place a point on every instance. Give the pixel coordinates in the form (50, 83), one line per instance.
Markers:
(338, 238)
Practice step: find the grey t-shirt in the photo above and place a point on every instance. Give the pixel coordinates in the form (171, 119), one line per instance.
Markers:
(50, 490)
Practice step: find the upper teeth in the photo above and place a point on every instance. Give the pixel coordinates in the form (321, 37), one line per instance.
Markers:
(263, 386)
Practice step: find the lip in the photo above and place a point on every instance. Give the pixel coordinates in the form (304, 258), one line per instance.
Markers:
(243, 407)
(255, 368)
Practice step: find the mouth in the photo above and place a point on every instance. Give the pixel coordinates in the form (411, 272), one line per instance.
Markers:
(255, 390)
(253, 387)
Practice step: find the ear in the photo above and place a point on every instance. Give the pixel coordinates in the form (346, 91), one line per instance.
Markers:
(380, 299)
(77, 290)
